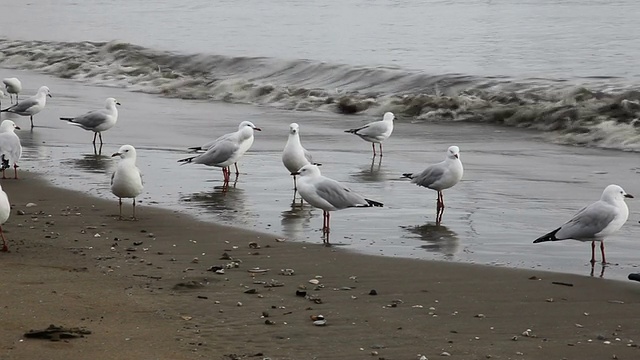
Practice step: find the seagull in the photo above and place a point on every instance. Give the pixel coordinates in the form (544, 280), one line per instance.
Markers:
(245, 144)
(126, 181)
(32, 105)
(97, 120)
(328, 194)
(225, 150)
(595, 222)
(294, 156)
(376, 132)
(13, 86)
(440, 176)
(5, 211)
(10, 147)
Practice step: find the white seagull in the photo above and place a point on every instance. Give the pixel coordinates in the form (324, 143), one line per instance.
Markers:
(5, 211)
(225, 150)
(376, 132)
(32, 105)
(440, 176)
(595, 222)
(328, 194)
(97, 120)
(126, 181)
(294, 156)
(13, 86)
(10, 147)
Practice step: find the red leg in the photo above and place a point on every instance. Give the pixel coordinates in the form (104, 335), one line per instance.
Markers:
(237, 171)
(380, 149)
(120, 206)
(373, 146)
(5, 248)
(15, 171)
(324, 220)
(593, 252)
(328, 220)
(94, 137)
(4, 177)
(604, 262)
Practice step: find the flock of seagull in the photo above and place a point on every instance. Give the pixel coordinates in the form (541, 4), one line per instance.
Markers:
(593, 223)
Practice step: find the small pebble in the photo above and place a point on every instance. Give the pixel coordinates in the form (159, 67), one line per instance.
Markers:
(444, 353)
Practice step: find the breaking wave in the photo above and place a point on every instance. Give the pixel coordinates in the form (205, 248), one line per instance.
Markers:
(599, 111)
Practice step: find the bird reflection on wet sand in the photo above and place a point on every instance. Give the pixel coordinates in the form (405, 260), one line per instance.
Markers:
(591, 273)
(439, 238)
(91, 163)
(372, 172)
(296, 220)
(226, 200)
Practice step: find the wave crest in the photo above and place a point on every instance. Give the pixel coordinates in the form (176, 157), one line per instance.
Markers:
(604, 113)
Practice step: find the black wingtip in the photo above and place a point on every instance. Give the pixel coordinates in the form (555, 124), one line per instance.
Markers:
(195, 148)
(547, 237)
(374, 203)
(187, 160)
(351, 131)
(66, 118)
(408, 175)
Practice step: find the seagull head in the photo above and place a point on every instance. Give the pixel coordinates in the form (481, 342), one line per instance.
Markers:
(389, 116)
(614, 193)
(126, 152)
(308, 170)
(111, 102)
(7, 125)
(293, 128)
(45, 90)
(453, 152)
(248, 124)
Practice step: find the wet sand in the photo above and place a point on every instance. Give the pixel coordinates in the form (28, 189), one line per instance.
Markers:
(516, 187)
(144, 291)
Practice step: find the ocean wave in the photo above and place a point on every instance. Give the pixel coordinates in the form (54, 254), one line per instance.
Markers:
(595, 111)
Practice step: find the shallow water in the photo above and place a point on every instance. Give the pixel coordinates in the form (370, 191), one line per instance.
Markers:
(516, 186)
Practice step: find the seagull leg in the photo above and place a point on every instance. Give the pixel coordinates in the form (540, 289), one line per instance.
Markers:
(100, 135)
(237, 171)
(120, 206)
(94, 139)
(328, 220)
(380, 149)
(4, 242)
(604, 262)
(439, 208)
(134, 209)
(15, 171)
(295, 184)
(593, 252)
(31, 118)
(373, 146)
(4, 177)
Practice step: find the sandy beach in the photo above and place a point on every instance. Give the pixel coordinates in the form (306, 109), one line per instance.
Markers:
(145, 290)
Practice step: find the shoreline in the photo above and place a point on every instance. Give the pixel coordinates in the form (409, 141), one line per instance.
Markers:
(143, 289)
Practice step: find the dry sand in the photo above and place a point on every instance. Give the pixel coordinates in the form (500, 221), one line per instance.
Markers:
(144, 291)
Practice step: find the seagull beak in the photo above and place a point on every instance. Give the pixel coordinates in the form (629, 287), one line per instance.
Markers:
(628, 196)
(49, 95)
(17, 127)
(456, 156)
(295, 173)
(118, 103)
(257, 129)
(116, 154)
